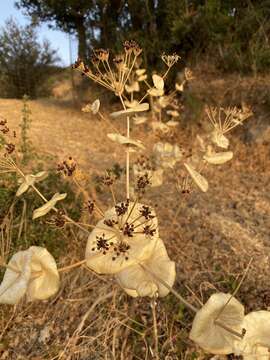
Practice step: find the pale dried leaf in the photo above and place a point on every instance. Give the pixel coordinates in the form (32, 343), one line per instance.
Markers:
(142, 77)
(134, 87)
(139, 108)
(199, 180)
(131, 104)
(158, 82)
(219, 139)
(209, 335)
(138, 282)
(155, 92)
(219, 158)
(139, 120)
(14, 284)
(179, 87)
(140, 72)
(47, 283)
(172, 123)
(256, 341)
(167, 154)
(30, 180)
(93, 108)
(123, 140)
(173, 113)
(48, 206)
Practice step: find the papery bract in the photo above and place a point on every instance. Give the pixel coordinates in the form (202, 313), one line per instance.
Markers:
(15, 282)
(48, 206)
(167, 154)
(208, 334)
(199, 180)
(137, 281)
(138, 108)
(123, 140)
(46, 282)
(110, 250)
(219, 139)
(32, 272)
(219, 158)
(30, 180)
(256, 341)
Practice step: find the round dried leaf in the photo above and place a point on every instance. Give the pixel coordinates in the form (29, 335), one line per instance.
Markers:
(210, 336)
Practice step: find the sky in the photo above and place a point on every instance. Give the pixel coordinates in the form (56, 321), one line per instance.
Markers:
(58, 39)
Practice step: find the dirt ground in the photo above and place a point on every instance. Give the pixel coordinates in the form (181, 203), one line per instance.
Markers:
(212, 237)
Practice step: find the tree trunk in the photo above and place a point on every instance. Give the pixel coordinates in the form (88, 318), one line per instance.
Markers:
(81, 34)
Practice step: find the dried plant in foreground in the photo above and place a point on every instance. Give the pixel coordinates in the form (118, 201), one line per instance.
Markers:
(125, 241)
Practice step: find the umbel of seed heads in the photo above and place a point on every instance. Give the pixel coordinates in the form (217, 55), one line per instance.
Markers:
(67, 167)
(131, 46)
(3, 126)
(128, 230)
(10, 148)
(145, 163)
(110, 222)
(59, 220)
(142, 182)
(101, 54)
(147, 230)
(90, 206)
(104, 245)
(146, 212)
(108, 179)
(122, 208)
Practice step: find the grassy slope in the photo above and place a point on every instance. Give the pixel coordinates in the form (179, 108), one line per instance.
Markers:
(211, 237)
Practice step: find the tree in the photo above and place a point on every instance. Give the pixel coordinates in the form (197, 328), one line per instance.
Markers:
(70, 16)
(24, 62)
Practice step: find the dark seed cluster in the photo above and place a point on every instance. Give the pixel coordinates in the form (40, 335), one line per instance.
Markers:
(144, 163)
(118, 60)
(142, 182)
(147, 230)
(131, 46)
(90, 206)
(169, 136)
(59, 220)
(146, 212)
(67, 167)
(128, 229)
(101, 54)
(110, 222)
(3, 126)
(10, 148)
(102, 244)
(121, 249)
(122, 208)
(79, 64)
(108, 180)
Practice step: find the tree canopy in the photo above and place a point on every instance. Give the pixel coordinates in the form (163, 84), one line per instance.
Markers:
(235, 33)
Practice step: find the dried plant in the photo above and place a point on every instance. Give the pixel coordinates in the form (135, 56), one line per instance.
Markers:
(125, 241)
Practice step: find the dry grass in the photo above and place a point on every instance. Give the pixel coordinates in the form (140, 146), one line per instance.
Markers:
(211, 237)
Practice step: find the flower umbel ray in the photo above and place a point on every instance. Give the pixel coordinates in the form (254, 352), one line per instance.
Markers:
(225, 119)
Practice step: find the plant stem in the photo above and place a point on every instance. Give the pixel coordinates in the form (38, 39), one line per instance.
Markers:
(127, 158)
(186, 303)
(220, 324)
(153, 307)
(182, 300)
(65, 268)
(127, 151)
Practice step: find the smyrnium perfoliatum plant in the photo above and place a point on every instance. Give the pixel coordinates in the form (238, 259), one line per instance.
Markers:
(124, 243)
